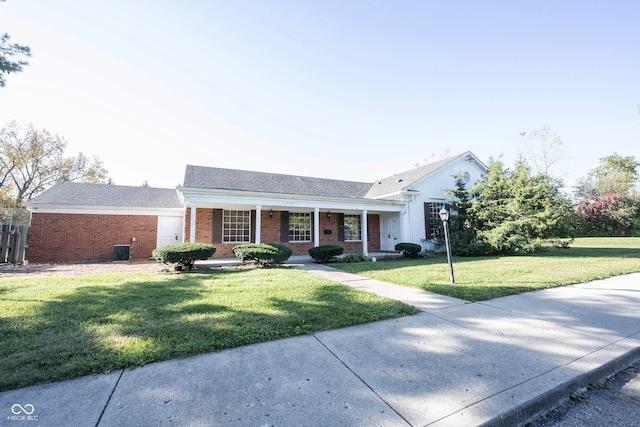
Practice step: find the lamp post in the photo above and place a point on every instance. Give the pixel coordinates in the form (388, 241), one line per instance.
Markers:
(444, 216)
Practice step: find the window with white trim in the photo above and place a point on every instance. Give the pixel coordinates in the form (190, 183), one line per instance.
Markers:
(236, 226)
(352, 227)
(299, 227)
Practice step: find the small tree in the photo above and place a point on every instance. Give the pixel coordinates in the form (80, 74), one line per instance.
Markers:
(463, 226)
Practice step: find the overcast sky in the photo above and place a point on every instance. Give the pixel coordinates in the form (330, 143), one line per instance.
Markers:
(353, 90)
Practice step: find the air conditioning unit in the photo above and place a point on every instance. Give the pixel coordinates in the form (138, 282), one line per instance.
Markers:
(121, 252)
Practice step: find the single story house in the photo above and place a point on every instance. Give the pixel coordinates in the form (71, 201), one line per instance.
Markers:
(228, 207)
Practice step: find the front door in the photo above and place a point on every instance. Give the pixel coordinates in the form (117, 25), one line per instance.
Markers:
(389, 232)
(170, 230)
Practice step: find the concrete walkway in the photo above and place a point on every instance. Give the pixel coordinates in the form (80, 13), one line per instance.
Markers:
(454, 364)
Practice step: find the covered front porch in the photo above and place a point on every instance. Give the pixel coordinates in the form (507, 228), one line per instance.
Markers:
(356, 225)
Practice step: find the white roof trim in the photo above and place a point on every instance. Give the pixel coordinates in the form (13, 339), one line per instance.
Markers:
(204, 196)
(467, 157)
(106, 210)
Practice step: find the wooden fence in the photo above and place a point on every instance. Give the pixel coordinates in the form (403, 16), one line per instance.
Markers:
(13, 243)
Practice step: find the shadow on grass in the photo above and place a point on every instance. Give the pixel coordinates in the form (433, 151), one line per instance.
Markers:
(335, 306)
(101, 328)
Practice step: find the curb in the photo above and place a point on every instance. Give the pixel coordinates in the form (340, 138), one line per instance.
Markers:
(550, 399)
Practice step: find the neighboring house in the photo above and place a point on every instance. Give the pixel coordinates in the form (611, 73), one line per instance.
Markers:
(77, 222)
(228, 207)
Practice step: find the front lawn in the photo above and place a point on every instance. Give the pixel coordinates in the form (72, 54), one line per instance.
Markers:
(483, 278)
(54, 328)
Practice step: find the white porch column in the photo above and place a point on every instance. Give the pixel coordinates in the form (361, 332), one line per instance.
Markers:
(365, 240)
(192, 225)
(258, 222)
(316, 227)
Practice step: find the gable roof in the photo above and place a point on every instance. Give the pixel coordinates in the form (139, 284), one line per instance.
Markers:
(119, 196)
(404, 180)
(263, 182)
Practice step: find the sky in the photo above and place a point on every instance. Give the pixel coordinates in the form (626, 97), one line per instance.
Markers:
(354, 90)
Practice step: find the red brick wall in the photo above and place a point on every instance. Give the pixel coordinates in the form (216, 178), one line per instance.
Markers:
(87, 237)
(270, 233)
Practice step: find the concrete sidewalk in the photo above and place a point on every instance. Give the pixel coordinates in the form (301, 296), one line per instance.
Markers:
(454, 364)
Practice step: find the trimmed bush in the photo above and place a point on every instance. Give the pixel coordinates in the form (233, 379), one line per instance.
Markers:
(325, 253)
(409, 250)
(183, 254)
(262, 254)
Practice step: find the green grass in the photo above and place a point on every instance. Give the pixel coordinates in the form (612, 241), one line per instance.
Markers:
(54, 328)
(479, 279)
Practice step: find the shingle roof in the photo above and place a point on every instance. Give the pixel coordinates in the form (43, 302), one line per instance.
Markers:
(401, 181)
(82, 194)
(262, 182)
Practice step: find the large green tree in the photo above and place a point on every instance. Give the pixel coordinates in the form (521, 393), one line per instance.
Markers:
(12, 57)
(509, 211)
(33, 159)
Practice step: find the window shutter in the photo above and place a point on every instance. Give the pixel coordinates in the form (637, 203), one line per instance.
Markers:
(253, 226)
(284, 226)
(427, 220)
(341, 227)
(216, 233)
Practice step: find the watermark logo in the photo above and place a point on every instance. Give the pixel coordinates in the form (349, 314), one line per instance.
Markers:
(18, 409)
(22, 412)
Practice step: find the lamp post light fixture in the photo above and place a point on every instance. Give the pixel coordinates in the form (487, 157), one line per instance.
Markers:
(444, 216)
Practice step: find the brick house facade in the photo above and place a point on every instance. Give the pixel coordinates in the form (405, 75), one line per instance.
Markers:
(227, 207)
(80, 237)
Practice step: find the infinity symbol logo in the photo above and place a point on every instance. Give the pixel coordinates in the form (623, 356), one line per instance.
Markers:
(18, 409)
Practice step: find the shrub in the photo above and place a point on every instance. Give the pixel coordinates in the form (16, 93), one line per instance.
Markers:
(355, 257)
(183, 254)
(262, 254)
(325, 253)
(409, 250)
